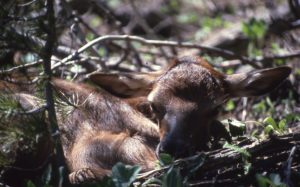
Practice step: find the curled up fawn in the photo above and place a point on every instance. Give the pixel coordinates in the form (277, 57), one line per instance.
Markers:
(133, 114)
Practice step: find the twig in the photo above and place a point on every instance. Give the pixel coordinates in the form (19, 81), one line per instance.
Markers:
(287, 170)
(117, 25)
(140, 20)
(222, 52)
(212, 182)
(23, 66)
(278, 57)
(145, 25)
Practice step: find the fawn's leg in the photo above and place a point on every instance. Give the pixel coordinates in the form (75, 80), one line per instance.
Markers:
(91, 159)
(135, 150)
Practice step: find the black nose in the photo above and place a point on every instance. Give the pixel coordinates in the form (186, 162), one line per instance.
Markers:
(175, 148)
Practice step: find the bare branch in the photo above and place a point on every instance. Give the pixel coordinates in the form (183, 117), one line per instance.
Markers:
(23, 66)
(157, 43)
(295, 54)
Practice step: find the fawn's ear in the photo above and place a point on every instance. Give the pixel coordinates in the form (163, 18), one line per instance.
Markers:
(257, 82)
(125, 84)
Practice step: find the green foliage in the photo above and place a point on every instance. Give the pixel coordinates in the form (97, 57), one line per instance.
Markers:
(243, 152)
(165, 159)
(213, 60)
(18, 131)
(290, 118)
(272, 127)
(208, 24)
(124, 175)
(277, 50)
(30, 184)
(172, 178)
(8, 105)
(273, 180)
(245, 155)
(188, 18)
(171, 7)
(229, 71)
(254, 29)
(152, 181)
(236, 128)
(95, 22)
(90, 36)
(254, 50)
(193, 165)
(265, 106)
(297, 71)
(229, 106)
(114, 3)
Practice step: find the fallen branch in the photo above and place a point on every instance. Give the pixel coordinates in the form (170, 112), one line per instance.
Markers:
(227, 166)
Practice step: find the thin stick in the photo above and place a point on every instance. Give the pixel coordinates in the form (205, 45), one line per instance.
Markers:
(222, 52)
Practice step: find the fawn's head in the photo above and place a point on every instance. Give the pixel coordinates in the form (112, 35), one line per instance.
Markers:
(185, 97)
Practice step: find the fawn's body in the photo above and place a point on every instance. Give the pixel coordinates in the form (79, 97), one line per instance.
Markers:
(98, 129)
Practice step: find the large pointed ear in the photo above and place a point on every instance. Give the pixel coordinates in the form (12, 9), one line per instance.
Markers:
(125, 84)
(257, 82)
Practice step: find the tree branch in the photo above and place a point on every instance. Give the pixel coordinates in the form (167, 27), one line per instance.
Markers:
(157, 43)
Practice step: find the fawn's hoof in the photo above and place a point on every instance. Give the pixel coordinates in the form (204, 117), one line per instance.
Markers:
(82, 175)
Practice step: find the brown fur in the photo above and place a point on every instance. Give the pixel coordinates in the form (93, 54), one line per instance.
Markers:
(185, 98)
(189, 87)
(101, 130)
(98, 129)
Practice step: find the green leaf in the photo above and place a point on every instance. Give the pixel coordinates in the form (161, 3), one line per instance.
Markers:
(236, 128)
(124, 175)
(254, 29)
(102, 51)
(30, 184)
(268, 129)
(230, 105)
(282, 125)
(247, 168)
(172, 178)
(90, 36)
(96, 21)
(235, 148)
(270, 121)
(273, 180)
(152, 181)
(190, 17)
(262, 181)
(165, 158)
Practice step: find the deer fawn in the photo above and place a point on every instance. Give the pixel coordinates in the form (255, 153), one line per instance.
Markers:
(100, 129)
